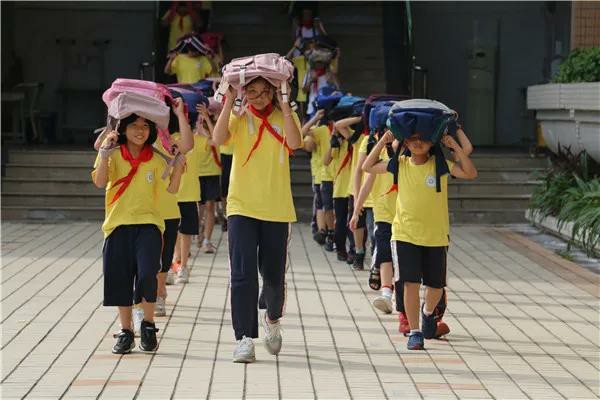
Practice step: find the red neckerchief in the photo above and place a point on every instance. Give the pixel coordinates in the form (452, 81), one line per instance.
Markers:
(319, 72)
(347, 159)
(145, 155)
(308, 24)
(263, 115)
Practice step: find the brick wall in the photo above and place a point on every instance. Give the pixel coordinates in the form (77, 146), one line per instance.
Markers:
(585, 24)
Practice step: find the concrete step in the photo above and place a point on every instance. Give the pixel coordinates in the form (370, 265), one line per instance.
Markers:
(51, 157)
(52, 213)
(490, 188)
(509, 160)
(49, 185)
(487, 216)
(506, 202)
(50, 171)
(53, 199)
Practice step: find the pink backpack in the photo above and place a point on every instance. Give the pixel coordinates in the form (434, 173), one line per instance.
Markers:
(241, 71)
(144, 88)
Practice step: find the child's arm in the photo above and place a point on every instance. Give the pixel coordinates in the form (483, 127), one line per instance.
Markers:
(100, 173)
(309, 143)
(359, 201)
(175, 178)
(306, 127)
(464, 142)
(373, 164)
(293, 137)
(343, 126)
(186, 142)
(334, 143)
(357, 176)
(167, 18)
(221, 130)
(464, 167)
(100, 138)
(168, 69)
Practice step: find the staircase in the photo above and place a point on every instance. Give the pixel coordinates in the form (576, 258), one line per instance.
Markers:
(50, 184)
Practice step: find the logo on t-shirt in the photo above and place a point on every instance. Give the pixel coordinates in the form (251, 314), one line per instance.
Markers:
(150, 176)
(276, 128)
(430, 181)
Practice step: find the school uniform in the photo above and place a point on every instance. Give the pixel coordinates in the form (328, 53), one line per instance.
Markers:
(421, 226)
(342, 166)
(226, 160)
(133, 227)
(209, 171)
(190, 69)
(366, 219)
(189, 190)
(322, 136)
(260, 209)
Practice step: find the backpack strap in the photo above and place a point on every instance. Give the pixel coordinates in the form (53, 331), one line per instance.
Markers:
(221, 91)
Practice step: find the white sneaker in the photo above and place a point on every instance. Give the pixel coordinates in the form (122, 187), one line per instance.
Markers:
(244, 351)
(160, 309)
(138, 317)
(208, 247)
(272, 334)
(183, 276)
(383, 304)
(170, 277)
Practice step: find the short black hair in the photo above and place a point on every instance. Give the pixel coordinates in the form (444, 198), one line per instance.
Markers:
(122, 139)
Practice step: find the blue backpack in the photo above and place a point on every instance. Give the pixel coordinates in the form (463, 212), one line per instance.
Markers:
(327, 98)
(347, 107)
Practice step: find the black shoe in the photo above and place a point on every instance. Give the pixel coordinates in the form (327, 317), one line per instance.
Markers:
(342, 255)
(125, 342)
(359, 262)
(148, 335)
(320, 237)
(329, 245)
(350, 259)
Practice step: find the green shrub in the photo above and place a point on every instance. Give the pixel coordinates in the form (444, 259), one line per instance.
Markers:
(582, 65)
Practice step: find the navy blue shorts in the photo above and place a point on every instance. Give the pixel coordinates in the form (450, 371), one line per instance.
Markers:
(226, 161)
(327, 195)
(383, 246)
(318, 202)
(210, 188)
(189, 218)
(130, 262)
(169, 240)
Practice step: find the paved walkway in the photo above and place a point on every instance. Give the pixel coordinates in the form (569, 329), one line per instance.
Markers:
(524, 325)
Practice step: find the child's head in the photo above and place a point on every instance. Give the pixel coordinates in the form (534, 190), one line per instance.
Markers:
(259, 93)
(137, 130)
(418, 146)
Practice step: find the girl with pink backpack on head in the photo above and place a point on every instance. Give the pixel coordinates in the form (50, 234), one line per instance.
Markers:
(259, 206)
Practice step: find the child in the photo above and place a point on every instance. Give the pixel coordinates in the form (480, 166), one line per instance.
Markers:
(209, 169)
(189, 66)
(339, 155)
(315, 164)
(420, 230)
(128, 168)
(180, 19)
(260, 210)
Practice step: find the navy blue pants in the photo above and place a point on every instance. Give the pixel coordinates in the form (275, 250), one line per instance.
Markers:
(341, 222)
(256, 246)
(131, 259)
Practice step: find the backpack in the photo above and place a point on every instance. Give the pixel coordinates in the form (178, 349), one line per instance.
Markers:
(128, 103)
(374, 99)
(191, 42)
(346, 107)
(191, 99)
(241, 71)
(327, 98)
(212, 40)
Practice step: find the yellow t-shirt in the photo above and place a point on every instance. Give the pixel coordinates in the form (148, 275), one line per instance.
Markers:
(167, 202)
(421, 213)
(355, 149)
(341, 173)
(138, 204)
(370, 201)
(384, 209)
(226, 149)
(322, 136)
(207, 166)
(189, 187)
(175, 32)
(190, 69)
(314, 164)
(262, 188)
(302, 68)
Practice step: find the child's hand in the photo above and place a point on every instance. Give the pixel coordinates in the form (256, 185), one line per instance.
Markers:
(387, 137)
(285, 107)
(319, 114)
(179, 161)
(178, 107)
(353, 222)
(203, 111)
(231, 95)
(450, 143)
(110, 140)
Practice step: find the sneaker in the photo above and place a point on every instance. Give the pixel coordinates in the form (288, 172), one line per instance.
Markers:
(125, 342)
(350, 259)
(272, 335)
(342, 255)
(320, 237)
(415, 341)
(404, 327)
(208, 247)
(138, 317)
(171, 274)
(359, 262)
(160, 309)
(428, 324)
(441, 329)
(183, 276)
(148, 336)
(329, 245)
(383, 304)
(244, 351)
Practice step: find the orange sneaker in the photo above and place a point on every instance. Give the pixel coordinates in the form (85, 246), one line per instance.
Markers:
(441, 329)
(404, 328)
